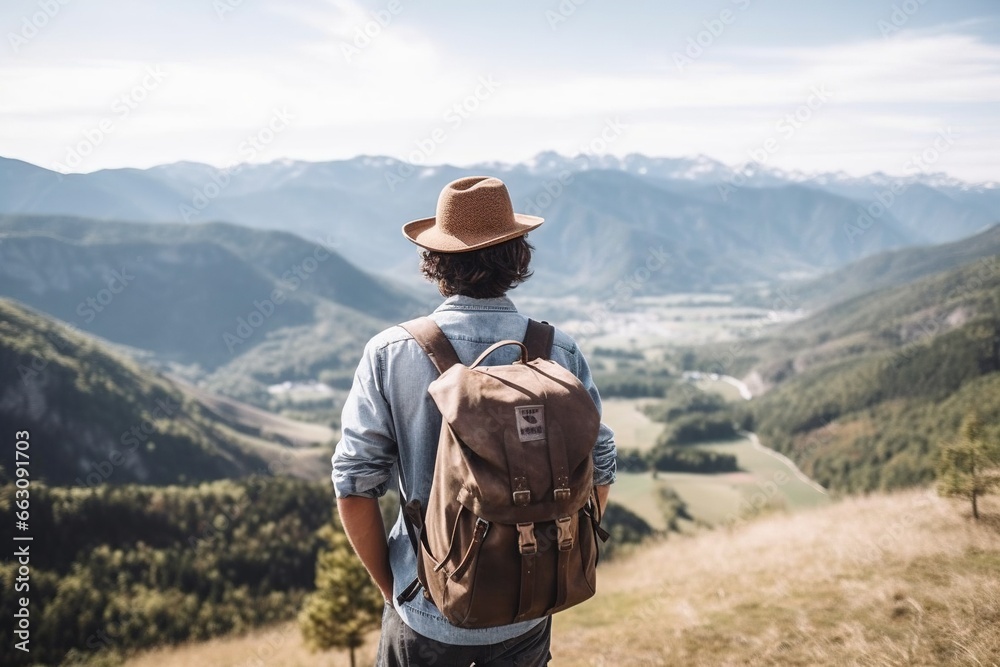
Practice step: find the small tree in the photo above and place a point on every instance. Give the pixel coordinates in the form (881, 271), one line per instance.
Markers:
(970, 466)
(346, 603)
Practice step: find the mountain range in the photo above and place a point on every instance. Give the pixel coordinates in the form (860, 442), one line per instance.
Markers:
(719, 225)
(230, 307)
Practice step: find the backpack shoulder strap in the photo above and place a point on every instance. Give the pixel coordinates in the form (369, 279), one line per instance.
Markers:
(538, 339)
(433, 341)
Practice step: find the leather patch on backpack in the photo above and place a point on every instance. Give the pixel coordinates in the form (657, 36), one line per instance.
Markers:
(530, 422)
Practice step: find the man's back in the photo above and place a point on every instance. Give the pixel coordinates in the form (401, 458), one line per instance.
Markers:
(390, 414)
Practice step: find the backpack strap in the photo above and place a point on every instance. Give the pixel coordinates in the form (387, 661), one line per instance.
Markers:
(527, 545)
(565, 539)
(538, 339)
(433, 342)
(442, 354)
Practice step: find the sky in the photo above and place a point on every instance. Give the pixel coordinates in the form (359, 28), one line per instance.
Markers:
(857, 86)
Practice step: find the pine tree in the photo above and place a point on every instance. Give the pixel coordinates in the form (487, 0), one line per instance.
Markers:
(969, 467)
(346, 603)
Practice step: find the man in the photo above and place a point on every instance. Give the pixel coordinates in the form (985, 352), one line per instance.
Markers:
(475, 251)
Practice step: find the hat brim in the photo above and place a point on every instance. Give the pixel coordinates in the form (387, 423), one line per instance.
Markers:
(425, 234)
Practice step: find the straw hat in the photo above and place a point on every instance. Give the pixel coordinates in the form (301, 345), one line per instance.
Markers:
(472, 213)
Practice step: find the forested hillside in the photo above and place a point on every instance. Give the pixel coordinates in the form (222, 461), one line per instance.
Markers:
(117, 568)
(862, 394)
(97, 417)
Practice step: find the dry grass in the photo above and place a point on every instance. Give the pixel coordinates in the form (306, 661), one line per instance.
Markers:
(906, 579)
(885, 580)
(278, 646)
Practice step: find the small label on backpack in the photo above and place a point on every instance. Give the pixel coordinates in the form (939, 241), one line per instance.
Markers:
(530, 422)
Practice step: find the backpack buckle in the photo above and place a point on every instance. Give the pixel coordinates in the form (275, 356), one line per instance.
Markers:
(526, 543)
(522, 498)
(562, 495)
(565, 534)
(482, 527)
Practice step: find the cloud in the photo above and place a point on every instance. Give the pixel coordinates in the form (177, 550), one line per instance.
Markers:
(365, 79)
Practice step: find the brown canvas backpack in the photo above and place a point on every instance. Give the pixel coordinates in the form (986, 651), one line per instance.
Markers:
(511, 530)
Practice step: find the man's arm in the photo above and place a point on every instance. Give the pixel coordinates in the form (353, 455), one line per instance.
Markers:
(362, 464)
(362, 521)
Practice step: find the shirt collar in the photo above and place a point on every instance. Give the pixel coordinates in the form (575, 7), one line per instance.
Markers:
(461, 302)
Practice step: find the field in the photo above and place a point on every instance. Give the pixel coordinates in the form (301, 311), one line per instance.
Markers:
(765, 483)
(637, 492)
(633, 429)
(904, 579)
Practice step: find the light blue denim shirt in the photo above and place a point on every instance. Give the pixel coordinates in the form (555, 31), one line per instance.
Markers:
(390, 420)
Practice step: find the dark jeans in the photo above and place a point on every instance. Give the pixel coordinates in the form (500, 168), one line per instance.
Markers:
(400, 646)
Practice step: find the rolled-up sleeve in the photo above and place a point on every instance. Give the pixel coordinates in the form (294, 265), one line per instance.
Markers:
(364, 457)
(605, 451)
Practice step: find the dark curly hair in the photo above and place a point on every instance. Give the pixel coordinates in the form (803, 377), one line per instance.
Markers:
(481, 274)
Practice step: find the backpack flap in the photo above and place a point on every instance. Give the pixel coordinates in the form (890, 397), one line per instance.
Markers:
(526, 434)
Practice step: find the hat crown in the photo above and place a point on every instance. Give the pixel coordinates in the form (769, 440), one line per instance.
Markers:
(475, 205)
(472, 213)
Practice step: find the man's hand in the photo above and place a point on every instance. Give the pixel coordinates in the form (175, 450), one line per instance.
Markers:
(362, 521)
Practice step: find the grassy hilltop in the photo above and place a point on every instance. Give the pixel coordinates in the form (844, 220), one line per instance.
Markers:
(901, 579)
